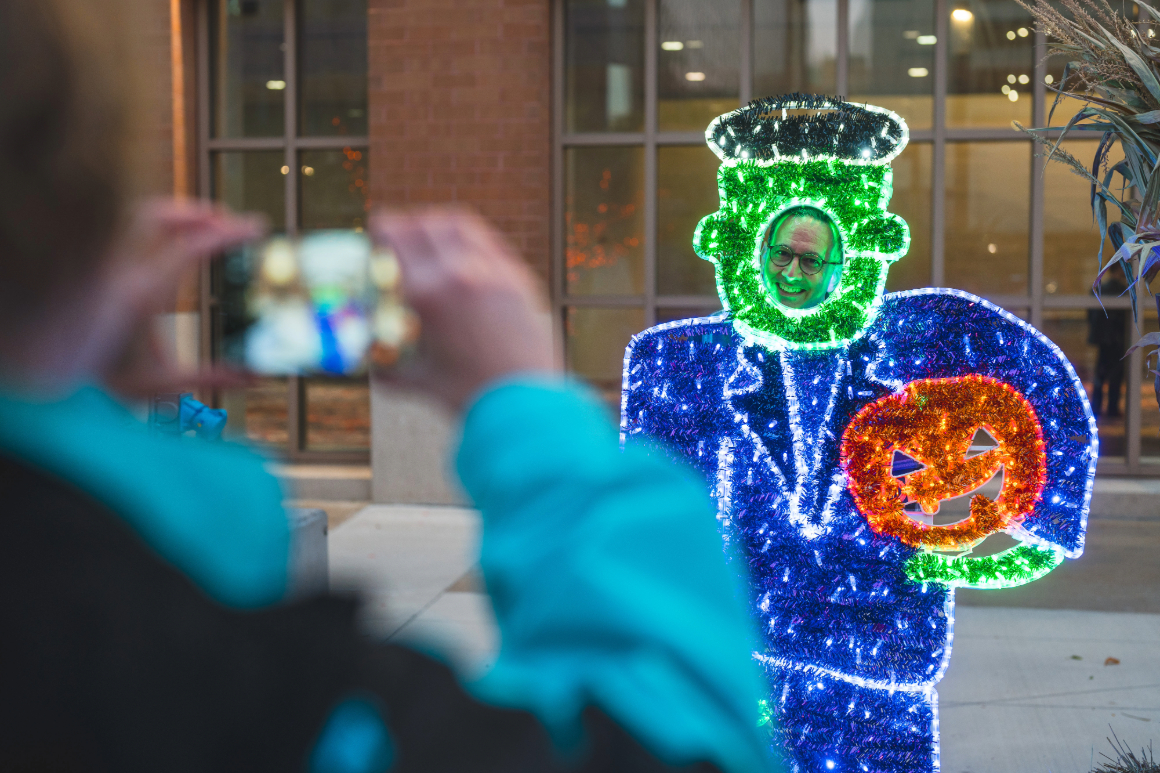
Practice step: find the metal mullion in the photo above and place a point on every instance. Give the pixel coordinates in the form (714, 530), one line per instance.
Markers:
(599, 138)
(983, 135)
(1036, 227)
(204, 180)
(745, 58)
(842, 65)
(277, 143)
(335, 142)
(938, 151)
(296, 385)
(632, 301)
(245, 143)
(556, 272)
(1085, 302)
(708, 301)
(679, 138)
(650, 161)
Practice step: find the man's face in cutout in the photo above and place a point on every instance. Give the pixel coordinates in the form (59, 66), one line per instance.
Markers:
(790, 285)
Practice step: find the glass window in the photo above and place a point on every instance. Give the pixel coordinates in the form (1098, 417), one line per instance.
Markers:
(251, 69)
(1095, 345)
(604, 218)
(258, 413)
(795, 46)
(992, 59)
(1149, 410)
(697, 64)
(987, 216)
(892, 57)
(247, 67)
(604, 65)
(686, 192)
(594, 344)
(911, 201)
(1071, 238)
(252, 181)
(333, 67)
(338, 414)
(335, 188)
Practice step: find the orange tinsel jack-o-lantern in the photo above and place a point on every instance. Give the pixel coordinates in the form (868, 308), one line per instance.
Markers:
(933, 421)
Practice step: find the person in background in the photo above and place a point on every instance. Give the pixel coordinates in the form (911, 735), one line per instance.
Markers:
(1107, 332)
(143, 577)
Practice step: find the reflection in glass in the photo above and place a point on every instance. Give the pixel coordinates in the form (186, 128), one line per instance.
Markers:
(333, 67)
(795, 46)
(991, 63)
(335, 190)
(594, 343)
(1149, 411)
(338, 414)
(911, 202)
(257, 413)
(892, 57)
(252, 181)
(604, 220)
(1071, 238)
(604, 65)
(987, 215)
(1072, 331)
(686, 192)
(697, 75)
(246, 68)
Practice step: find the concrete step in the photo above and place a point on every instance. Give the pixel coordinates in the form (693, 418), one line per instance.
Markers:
(327, 482)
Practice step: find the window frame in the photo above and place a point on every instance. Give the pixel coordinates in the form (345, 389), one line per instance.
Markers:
(291, 143)
(1032, 304)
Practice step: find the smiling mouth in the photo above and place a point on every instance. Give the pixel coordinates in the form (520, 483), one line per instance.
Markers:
(793, 292)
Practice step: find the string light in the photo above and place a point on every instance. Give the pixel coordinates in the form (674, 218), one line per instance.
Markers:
(793, 417)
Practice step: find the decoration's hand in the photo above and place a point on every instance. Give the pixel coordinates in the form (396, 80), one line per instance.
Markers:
(482, 313)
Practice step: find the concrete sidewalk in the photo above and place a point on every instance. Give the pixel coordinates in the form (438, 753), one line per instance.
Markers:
(1027, 691)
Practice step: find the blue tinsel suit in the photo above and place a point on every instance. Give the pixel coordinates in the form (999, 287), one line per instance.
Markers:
(853, 648)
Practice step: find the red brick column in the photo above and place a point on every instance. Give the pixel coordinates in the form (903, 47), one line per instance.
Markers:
(459, 110)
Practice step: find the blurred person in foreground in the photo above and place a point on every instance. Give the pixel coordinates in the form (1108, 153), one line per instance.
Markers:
(143, 578)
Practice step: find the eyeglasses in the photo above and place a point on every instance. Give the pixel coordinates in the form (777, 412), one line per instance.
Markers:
(809, 262)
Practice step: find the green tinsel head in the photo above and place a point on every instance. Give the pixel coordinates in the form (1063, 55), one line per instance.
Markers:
(836, 160)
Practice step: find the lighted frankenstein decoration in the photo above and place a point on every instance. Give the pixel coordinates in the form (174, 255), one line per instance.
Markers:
(834, 423)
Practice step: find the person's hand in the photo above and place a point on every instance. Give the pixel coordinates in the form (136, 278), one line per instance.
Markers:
(482, 314)
(98, 328)
(166, 239)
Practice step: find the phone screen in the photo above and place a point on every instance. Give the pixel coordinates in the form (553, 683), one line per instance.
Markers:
(313, 305)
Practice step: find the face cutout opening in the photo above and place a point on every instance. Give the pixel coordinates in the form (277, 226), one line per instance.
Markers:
(800, 257)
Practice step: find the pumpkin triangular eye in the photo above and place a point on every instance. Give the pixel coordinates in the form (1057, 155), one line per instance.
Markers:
(904, 465)
(981, 443)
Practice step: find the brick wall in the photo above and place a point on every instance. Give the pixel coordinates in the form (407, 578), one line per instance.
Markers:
(459, 110)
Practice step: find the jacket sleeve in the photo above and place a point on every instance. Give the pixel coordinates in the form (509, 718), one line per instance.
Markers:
(608, 581)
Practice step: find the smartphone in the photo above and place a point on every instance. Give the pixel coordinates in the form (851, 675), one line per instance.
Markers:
(327, 303)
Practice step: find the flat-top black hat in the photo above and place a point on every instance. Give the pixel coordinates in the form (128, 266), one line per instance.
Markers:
(765, 130)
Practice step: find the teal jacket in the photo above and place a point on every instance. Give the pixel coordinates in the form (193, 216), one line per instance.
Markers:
(209, 509)
(609, 581)
(605, 568)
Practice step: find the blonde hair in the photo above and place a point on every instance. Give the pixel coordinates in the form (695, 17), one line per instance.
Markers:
(66, 96)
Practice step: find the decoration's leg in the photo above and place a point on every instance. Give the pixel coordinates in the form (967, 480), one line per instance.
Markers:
(828, 725)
